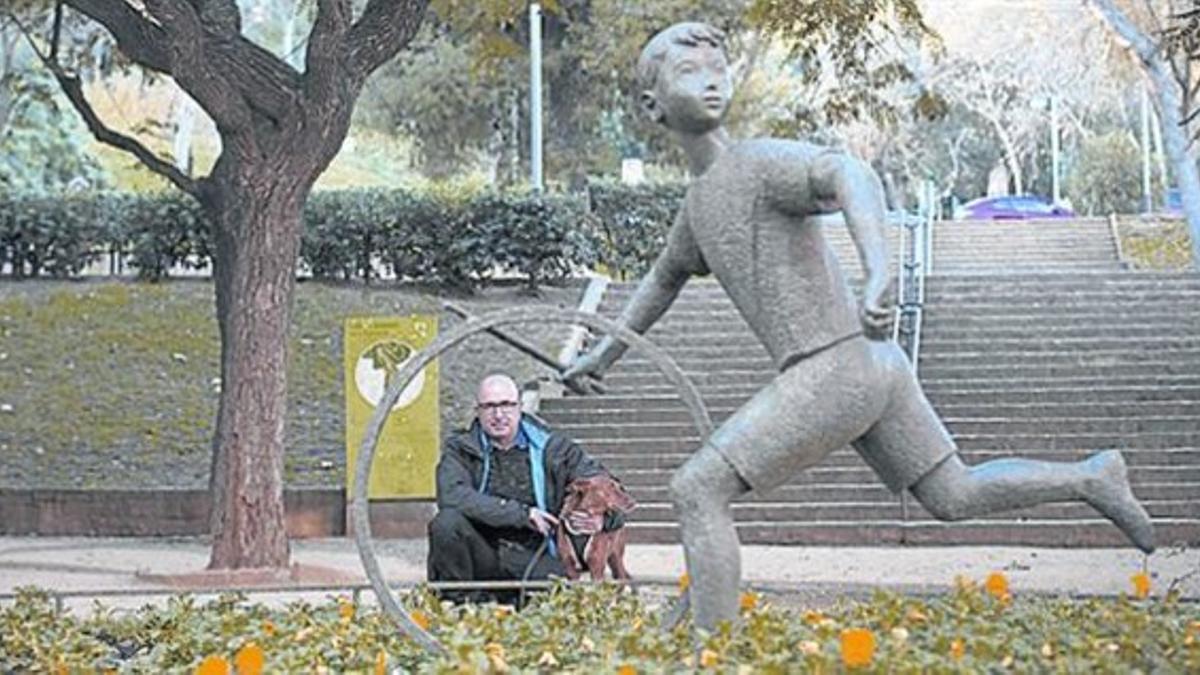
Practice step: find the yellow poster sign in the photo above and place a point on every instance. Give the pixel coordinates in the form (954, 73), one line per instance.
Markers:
(407, 453)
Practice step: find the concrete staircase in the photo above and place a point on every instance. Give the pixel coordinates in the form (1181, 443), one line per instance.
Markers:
(982, 246)
(1046, 365)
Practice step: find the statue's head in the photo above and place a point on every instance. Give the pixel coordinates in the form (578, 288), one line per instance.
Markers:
(684, 78)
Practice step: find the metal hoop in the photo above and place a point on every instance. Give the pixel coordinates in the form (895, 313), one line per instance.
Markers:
(366, 454)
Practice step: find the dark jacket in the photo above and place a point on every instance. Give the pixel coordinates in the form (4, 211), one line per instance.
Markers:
(460, 471)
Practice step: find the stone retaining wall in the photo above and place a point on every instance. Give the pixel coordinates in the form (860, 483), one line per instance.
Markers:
(175, 512)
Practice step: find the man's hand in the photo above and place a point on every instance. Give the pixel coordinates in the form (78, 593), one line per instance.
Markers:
(582, 522)
(541, 521)
(877, 312)
(583, 374)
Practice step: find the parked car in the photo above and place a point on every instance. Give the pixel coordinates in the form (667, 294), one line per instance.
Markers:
(1172, 203)
(1011, 207)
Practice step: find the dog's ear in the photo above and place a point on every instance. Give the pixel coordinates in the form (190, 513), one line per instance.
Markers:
(618, 498)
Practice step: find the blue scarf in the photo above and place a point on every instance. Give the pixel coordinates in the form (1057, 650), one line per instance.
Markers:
(537, 439)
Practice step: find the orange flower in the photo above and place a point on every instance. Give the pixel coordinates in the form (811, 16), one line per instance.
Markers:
(627, 669)
(214, 665)
(997, 585)
(268, 628)
(957, 649)
(709, 659)
(420, 618)
(381, 663)
(1141, 585)
(749, 601)
(685, 580)
(858, 647)
(345, 610)
(813, 617)
(249, 660)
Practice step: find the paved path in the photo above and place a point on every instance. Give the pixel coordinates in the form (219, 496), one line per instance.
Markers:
(816, 575)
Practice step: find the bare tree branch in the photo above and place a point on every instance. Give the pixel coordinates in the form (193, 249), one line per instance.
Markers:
(137, 37)
(56, 30)
(72, 87)
(192, 66)
(268, 85)
(384, 28)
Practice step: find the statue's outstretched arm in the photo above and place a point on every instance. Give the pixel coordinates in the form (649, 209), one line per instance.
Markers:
(654, 295)
(857, 190)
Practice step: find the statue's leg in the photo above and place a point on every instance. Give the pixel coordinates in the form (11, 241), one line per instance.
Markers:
(955, 491)
(702, 490)
(813, 408)
(910, 447)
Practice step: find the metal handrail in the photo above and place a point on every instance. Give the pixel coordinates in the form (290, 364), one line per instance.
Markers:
(914, 260)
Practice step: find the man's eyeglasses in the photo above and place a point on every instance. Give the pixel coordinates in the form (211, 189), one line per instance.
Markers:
(503, 406)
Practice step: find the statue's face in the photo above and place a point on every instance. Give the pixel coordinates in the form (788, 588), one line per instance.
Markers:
(692, 90)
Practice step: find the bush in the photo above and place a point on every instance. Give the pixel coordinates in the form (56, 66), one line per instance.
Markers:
(633, 222)
(538, 237)
(342, 232)
(159, 231)
(429, 238)
(595, 629)
(453, 238)
(1106, 178)
(54, 236)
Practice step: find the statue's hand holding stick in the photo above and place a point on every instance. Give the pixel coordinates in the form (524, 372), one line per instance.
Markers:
(572, 376)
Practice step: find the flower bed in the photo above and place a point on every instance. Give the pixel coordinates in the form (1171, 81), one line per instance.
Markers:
(590, 629)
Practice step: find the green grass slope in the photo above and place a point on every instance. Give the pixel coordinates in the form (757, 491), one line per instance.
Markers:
(115, 384)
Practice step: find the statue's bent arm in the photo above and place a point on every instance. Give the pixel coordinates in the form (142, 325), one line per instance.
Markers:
(854, 187)
(858, 192)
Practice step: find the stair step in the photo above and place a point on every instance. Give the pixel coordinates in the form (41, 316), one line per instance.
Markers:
(875, 511)
(941, 396)
(1132, 354)
(1018, 442)
(861, 474)
(622, 380)
(1160, 459)
(1030, 412)
(1092, 532)
(1130, 431)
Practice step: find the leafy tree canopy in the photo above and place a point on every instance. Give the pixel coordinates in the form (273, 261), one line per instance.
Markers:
(461, 92)
(41, 146)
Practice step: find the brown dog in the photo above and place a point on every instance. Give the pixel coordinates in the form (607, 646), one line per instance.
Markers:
(595, 496)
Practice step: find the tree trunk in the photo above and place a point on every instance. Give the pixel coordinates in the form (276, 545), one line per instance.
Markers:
(256, 224)
(1176, 141)
(1169, 101)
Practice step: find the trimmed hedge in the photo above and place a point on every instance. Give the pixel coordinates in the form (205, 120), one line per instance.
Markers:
(436, 238)
(634, 222)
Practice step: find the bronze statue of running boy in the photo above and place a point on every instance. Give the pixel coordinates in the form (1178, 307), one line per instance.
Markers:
(840, 381)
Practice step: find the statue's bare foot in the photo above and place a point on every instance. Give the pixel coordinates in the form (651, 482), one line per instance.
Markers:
(1109, 493)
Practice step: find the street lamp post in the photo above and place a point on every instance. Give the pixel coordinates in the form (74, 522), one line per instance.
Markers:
(535, 95)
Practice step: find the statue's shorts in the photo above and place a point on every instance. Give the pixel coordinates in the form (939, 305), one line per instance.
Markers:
(859, 392)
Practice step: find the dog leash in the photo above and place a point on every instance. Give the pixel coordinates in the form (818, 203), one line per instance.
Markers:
(537, 555)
